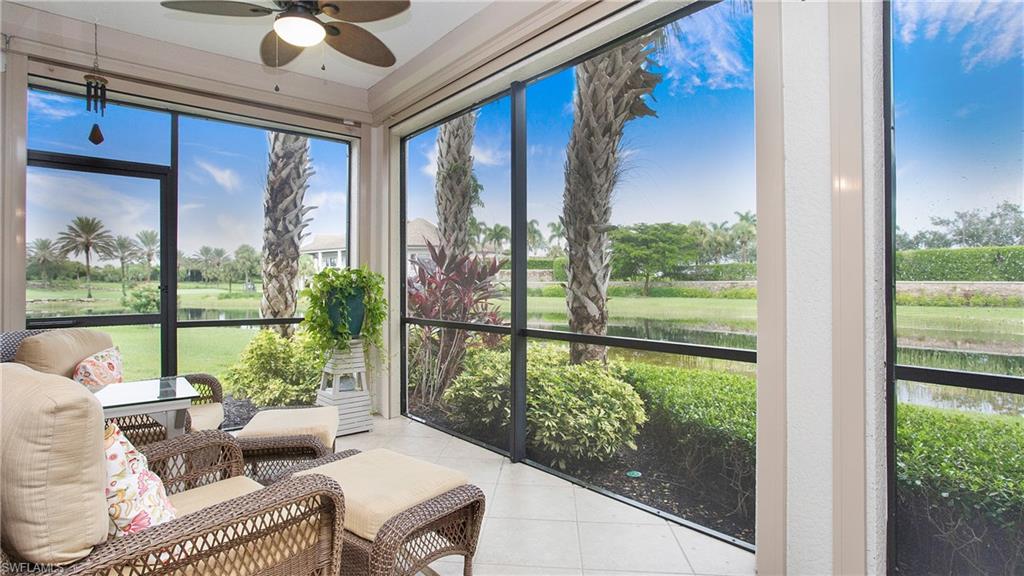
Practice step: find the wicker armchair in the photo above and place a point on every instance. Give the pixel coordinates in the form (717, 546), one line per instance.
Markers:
(446, 525)
(292, 528)
(143, 429)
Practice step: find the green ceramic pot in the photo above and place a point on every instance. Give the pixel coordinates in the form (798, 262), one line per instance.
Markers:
(356, 312)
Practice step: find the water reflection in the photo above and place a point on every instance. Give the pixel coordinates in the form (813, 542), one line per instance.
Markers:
(966, 399)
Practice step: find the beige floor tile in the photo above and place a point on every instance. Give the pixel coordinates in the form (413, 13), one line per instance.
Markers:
(533, 502)
(479, 470)
(447, 567)
(523, 474)
(461, 449)
(364, 441)
(710, 556)
(631, 547)
(594, 507)
(517, 542)
(427, 448)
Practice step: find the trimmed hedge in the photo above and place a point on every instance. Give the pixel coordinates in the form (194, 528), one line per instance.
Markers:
(961, 299)
(728, 271)
(707, 420)
(959, 476)
(984, 264)
(574, 412)
(555, 290)
(533, 263)
(559, 269)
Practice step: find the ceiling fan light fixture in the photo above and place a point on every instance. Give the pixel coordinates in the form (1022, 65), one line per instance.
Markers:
(299, 28)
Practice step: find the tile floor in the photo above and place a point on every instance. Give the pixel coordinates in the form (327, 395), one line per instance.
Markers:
(536, 523)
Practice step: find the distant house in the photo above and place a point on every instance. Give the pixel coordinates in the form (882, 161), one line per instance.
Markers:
(330, 250)
(327, 250)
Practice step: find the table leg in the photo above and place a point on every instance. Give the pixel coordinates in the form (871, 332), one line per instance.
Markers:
(175, 420)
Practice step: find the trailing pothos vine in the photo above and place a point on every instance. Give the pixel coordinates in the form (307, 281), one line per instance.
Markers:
(331, 287)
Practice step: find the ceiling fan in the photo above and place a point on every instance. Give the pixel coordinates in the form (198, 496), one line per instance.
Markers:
(297, 25)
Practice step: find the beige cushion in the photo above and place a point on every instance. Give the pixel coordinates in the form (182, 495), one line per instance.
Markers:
(60, 351)
(52, 471)
(195, 499)
(321, 422)
(207, 416)
(380, 483)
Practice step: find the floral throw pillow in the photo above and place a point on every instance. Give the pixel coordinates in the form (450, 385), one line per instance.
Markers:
(102, 368)
(136, 498)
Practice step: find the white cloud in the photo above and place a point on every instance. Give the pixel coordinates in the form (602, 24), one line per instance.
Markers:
(226, 177)
(990, 31)
(706, 49)
(966, 110)
(189, 206)
(326, 200)
(487, 156)
(53, 106)
(430, 167)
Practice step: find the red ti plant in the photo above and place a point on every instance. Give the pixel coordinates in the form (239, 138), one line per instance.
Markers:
(455, 288)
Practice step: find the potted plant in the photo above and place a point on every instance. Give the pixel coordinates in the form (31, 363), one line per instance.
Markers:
(344, 304)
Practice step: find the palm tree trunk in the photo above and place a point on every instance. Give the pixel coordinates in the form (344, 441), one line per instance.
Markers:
(455, 186)
(284, 223)
(88, 276)
(609, 93)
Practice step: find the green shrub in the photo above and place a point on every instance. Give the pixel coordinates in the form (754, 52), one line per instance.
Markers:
(276, 371)
(532, 263)
(559, 268)
(549, 291)
(574, 413)
(982, 264)
(728, 271)
(144, 299)
(240, 295)
(707, 420)
(961, 299)
(960, 476)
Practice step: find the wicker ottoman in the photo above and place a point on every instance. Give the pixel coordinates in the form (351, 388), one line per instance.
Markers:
(276, 440)
(401, 513)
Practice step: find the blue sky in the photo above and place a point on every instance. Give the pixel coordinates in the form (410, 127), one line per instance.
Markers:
(221, 177)
(958, 81)
(959, 101)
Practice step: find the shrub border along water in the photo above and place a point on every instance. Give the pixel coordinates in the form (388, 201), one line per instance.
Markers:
(981, 264)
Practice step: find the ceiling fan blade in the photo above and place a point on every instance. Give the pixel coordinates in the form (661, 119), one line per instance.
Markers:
(363, 10)
(276, 52)
(358, 43)
(217, 7)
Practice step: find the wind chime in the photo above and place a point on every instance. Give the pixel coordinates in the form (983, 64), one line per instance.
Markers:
(96, 90)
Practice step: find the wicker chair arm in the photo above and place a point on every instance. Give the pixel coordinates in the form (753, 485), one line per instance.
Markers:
(321, 461)
(307, 444)
(194, 459)
(400, 528)
(212, 540)
(209, 388)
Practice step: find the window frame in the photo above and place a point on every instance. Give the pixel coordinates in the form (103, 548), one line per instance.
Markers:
(167, 175)
(894, 372)
(517, 330)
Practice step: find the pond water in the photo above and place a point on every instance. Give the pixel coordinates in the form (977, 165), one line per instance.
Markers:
(215, 314)
(666, 330)
(968, 400)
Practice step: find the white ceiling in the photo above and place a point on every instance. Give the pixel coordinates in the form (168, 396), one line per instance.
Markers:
(407, 34)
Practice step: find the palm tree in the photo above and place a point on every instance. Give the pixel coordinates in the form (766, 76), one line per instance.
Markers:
(44, 255)
(610, 90)
(534, 237)
(212, 262)
(477, 230)
(498, 235)
(744, 235)
(284, 224)
(720, 239)
(456, 187)
(125, 250)
(149, 245)
(86, 236)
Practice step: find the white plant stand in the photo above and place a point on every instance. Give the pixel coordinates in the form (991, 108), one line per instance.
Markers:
(343, 386)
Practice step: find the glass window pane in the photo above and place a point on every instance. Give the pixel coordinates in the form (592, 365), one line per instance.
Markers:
(959, 499)
(458, 194)
(214, 350)
(245, 245)
(958, 88)
(459, 380)
(644, 211)
(674, 432)
(140, 349)
(93, 244)
(59, 122)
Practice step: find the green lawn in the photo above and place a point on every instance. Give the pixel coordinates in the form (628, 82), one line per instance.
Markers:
(210, 350)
